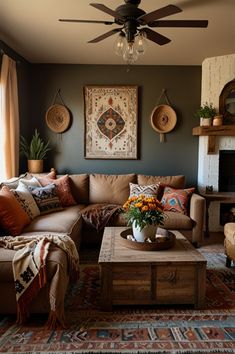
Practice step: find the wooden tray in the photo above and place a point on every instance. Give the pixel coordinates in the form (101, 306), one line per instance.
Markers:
(147, 246)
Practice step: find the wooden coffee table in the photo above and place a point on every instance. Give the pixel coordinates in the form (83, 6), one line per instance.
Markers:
(131, 277)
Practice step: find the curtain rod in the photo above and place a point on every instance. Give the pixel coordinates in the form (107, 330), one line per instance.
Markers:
(2, 52)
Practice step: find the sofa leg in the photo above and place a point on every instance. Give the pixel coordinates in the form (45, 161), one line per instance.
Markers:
(228, 262)
(195, 244)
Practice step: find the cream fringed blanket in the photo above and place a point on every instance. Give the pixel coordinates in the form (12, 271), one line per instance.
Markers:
(29, 268)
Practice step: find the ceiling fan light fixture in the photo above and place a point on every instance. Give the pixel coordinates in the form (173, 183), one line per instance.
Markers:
(136, 27)
(130, 54)
(141, 43)
(119, 44)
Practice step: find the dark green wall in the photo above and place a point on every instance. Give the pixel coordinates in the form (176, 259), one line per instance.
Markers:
(178, 155)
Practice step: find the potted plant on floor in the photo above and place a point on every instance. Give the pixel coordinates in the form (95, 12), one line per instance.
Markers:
(206, 113)
(35, 152)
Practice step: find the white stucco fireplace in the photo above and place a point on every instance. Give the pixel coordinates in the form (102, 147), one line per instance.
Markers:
(216, 72)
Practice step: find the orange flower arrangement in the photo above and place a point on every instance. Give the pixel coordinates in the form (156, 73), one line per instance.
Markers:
(142, 211)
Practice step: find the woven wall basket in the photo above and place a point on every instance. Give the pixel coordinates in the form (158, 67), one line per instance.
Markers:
(163, 119)
(58, 118)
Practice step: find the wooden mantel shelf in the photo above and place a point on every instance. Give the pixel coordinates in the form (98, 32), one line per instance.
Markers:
(222, 130)
(213, 131)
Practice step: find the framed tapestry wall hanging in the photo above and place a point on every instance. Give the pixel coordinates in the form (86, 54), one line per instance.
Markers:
(111, 122)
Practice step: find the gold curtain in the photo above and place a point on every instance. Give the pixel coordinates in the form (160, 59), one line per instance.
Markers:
(9, 120)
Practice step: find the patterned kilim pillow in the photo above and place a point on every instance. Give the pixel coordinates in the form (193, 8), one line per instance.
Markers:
(26, 200)
(151, 190)
(62, 188)
(46, 198)
(176, 199)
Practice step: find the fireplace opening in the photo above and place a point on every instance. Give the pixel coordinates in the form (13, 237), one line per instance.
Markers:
(227, 171)
(227, 184)
(227, 213)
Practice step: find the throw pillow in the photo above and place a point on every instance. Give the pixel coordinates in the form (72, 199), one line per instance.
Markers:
(13, 182)
(26, 200)
(30, 182)
(12, 217)
(176, 199)
(62, 187)
(150, 190)
(46, 198)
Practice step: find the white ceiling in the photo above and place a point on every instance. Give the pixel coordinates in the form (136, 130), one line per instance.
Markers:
(31, 28)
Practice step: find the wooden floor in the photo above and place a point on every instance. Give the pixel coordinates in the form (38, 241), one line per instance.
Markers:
(214, 242)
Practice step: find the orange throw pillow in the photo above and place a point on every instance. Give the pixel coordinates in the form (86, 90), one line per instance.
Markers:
(12, 217)
(62, 188)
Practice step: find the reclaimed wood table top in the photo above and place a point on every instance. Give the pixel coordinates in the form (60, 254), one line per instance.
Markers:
(112, 251)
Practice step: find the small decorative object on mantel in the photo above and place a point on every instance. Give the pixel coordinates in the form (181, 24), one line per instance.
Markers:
(163, 117)
(58, 115)
(218, 120)
(144, 214)
(206, 113)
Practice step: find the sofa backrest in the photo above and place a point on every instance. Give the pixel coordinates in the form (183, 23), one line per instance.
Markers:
(177, 182)
(79, 184)
(112, 189)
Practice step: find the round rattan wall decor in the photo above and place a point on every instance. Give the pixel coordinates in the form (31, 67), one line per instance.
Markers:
(163, 119)
(58, 118)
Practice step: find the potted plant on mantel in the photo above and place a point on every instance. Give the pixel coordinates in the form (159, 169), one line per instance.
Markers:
(206, 113)
(35, 152)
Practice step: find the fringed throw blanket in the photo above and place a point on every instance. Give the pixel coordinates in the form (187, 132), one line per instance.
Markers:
(98, 215)
(30, 275)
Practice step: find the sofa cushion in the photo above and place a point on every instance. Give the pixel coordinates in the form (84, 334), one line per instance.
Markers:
(62, 221)
(46, 198)
(176, 199)
(26, 200)
(171, 181)
(12, 217)
(177, 221)
(12, 182)
(150, 190)
(112, 189)
(79, 184)
(62, 188)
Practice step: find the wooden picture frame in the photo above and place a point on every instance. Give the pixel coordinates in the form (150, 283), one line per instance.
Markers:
(111, 122)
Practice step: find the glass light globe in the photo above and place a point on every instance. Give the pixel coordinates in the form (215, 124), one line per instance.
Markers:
(130, 54)
(119, 44)
(141, 43)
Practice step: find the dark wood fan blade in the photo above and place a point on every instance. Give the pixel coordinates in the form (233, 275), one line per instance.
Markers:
(86, 21)
(105, 35)
(162, 12)
(156, 37)
(179, 23)
(107, 10)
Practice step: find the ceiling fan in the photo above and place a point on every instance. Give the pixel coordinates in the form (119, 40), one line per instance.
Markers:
(133, 20)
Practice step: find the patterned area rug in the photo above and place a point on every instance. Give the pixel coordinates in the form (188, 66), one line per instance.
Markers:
(154, 329)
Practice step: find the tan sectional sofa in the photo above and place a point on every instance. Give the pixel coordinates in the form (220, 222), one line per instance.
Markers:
(91, 190)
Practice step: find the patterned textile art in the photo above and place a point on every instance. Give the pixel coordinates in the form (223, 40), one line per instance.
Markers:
(139, 329)
(111, 122)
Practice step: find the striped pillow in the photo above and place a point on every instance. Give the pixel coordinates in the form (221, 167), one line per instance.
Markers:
(150, 190)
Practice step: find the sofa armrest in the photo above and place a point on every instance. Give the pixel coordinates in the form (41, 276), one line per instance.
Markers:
(197, 214)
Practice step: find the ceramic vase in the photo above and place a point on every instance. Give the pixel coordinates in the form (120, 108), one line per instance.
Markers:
(205, 122)
(218, 120)
(148, 231)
